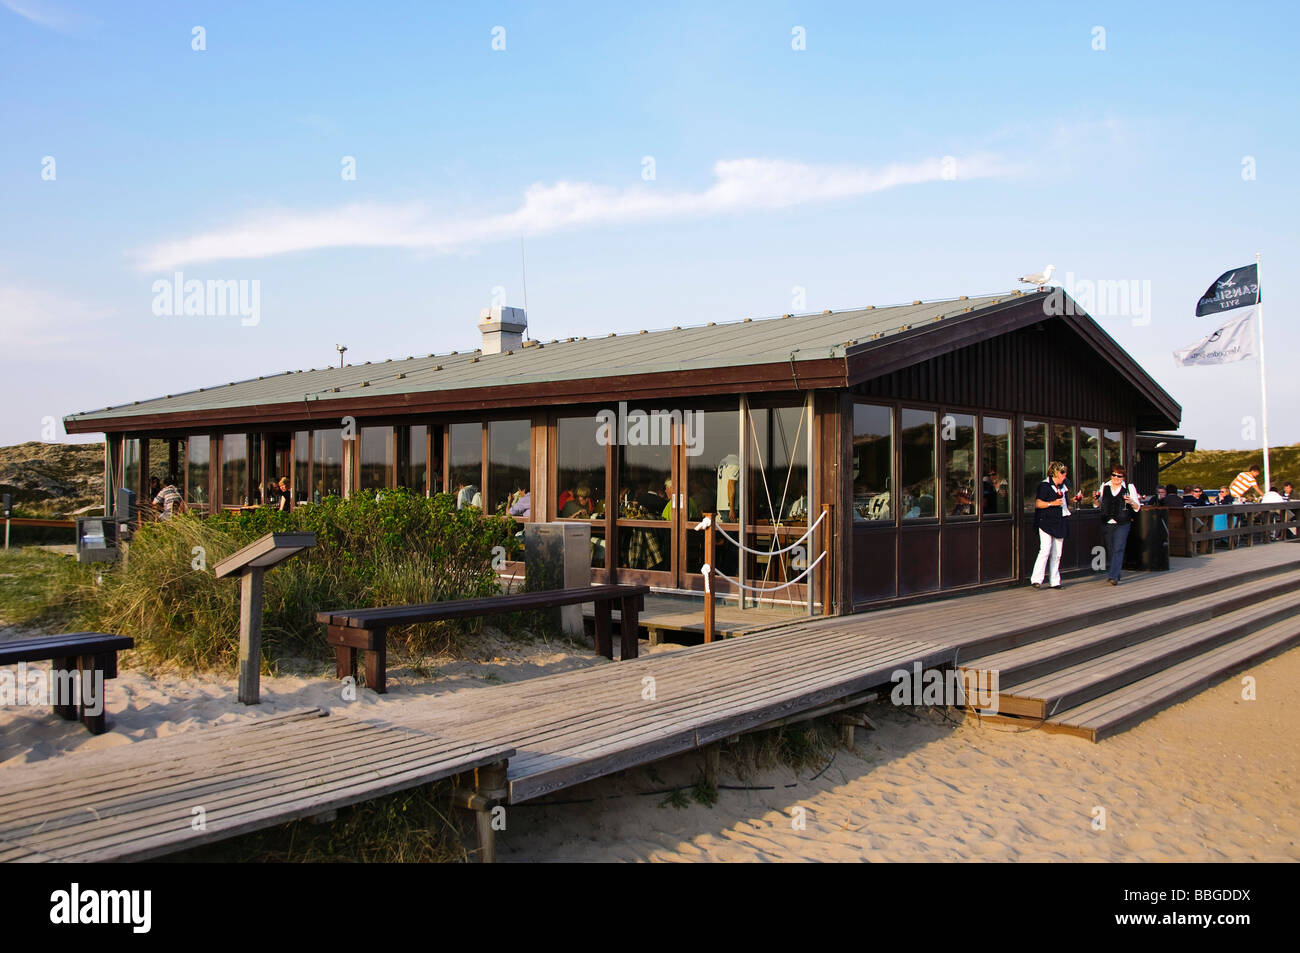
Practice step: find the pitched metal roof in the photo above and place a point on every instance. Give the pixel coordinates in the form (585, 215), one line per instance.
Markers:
(787, 339)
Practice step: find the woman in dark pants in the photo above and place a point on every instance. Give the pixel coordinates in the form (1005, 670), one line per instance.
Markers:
(1118, 502)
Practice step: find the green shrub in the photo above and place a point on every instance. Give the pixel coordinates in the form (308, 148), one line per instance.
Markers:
(374, 549)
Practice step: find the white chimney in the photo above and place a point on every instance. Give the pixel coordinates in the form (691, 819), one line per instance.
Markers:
(503, 328)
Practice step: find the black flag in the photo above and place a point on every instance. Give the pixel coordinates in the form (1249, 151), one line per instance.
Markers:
(1238, 288)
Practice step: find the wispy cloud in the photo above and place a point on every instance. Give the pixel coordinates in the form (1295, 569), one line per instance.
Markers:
(45, 14)
(739, 185)
(40, 326)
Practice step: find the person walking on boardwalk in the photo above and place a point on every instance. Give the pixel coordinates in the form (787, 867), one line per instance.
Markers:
(1051, 517)
(1118, 502)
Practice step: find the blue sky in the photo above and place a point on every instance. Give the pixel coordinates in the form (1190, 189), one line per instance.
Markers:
(775, 169)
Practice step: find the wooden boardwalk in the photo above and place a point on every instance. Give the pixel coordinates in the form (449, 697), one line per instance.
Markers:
(560, 730)
(577, 726)
(168, 794)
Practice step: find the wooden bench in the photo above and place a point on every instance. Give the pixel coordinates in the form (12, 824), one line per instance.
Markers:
(367, 629)
(92, 654)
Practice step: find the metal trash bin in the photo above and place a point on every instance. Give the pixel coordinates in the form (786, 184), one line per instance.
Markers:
(1148, 541)
(96, 539)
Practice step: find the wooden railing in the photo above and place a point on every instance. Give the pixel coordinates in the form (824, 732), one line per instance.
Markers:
(1192, 529)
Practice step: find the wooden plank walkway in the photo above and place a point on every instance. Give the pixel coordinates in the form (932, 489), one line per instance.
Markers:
(666, 614)
(169, 794)
(559, 730)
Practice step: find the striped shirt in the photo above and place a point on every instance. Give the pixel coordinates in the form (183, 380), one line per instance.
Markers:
(1245, 481)
(168, 499)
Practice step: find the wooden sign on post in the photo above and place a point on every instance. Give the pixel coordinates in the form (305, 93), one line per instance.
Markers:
(250, 563)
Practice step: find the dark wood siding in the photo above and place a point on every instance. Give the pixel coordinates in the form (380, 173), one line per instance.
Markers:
(1041, 373)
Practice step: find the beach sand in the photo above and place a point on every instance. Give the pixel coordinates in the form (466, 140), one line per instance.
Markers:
(1212, 779)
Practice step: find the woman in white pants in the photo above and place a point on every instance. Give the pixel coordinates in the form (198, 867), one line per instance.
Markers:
(1051, 513)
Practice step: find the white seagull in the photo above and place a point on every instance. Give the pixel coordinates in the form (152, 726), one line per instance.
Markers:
(1040, 279)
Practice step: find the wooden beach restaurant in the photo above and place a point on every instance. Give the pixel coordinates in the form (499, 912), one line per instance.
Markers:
(910, 438)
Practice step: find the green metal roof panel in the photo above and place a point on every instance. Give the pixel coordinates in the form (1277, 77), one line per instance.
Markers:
(729, 344)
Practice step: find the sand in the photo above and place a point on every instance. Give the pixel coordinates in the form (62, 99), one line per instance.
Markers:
(1212, 779)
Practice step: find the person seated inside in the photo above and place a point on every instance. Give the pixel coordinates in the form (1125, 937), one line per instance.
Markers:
(692, 510)
(580, 506)
(285, 496)
(964, 506)
(520, 503)
(468, 494)
(651, 502)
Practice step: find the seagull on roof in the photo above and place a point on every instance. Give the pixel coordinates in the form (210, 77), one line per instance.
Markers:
(1040, 279)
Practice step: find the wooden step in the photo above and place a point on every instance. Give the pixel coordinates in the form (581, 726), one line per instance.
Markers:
(1107, 609)
(1023, 663)
(1123, 708)
(1068, 687)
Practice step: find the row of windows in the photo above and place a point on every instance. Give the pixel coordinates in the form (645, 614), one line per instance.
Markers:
(912, 463)
(908, 463)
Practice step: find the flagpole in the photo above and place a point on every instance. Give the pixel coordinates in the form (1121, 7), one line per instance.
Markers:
(1263, 385)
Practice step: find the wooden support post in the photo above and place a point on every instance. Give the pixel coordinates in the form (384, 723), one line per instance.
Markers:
(92, 694)
(68, 710)
(250, 636)
(628, 626)
(604, 628)
(377, 662)
(710, 557)
(826, 583)
(712, 757)
(491, 783)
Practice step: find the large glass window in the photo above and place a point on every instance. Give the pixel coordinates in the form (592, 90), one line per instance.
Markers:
(873, 462)
(580, 473)
(131, 464)
(327, 463)
(510, 466)
(995, 465)
(1088, 479)
(301, 482)
(413, 458)
(778, 464)
(712, 441)
(958, 436)
(466, 461)
(916, 439)
(378, 463)
(1063, 451)
(197, 452)
(1035, 470)
(1114, 447)
(234, 469)
(712, 447)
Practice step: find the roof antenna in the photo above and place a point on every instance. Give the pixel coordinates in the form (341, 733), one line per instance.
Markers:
(340, 348)
(523, 267)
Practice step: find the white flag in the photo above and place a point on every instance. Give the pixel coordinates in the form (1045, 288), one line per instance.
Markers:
(1234, 341)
